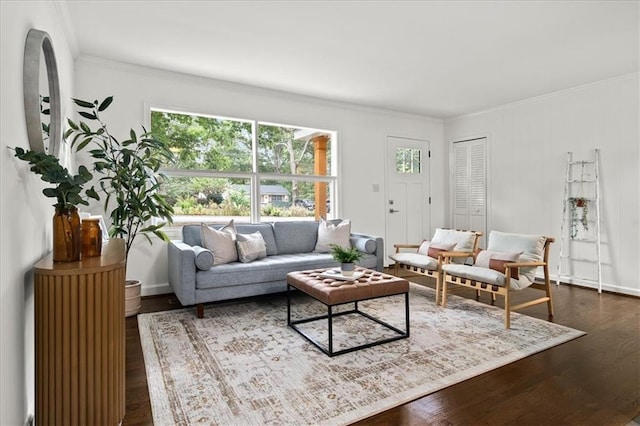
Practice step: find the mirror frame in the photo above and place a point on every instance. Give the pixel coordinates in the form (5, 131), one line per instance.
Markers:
(39, 42)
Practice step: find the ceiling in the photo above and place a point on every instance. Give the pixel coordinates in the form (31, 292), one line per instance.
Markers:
(435, 58)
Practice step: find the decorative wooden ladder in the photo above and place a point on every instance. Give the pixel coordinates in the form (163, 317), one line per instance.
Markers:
(575, 215)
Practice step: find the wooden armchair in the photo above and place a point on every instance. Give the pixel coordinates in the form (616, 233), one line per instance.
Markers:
(509, 263)
(428, 257)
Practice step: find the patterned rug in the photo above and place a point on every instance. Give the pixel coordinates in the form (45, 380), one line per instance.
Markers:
(242, 365)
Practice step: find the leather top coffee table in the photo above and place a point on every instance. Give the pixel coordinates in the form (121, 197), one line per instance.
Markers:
(333, 292)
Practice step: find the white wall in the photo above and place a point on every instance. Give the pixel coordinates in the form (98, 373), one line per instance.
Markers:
(361, 133)
(25, 214)
(528, 145)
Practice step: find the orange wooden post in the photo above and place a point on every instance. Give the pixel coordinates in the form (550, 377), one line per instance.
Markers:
(320, 169)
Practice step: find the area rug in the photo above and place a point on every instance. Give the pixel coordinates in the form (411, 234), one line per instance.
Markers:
(242, 365)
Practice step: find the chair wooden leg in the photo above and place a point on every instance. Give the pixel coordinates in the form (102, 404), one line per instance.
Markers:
(444, 291)
(547, 288)
(507, 307)
(493, 298)
(438, 284)
(477, 294)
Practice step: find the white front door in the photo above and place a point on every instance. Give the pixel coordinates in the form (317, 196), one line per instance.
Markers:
(470, 186)
(407, 204)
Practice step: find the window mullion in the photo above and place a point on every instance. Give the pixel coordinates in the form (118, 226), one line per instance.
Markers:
(255, 177)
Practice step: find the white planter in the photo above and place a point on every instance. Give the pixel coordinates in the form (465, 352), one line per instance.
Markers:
(347, 269)
(132, 297)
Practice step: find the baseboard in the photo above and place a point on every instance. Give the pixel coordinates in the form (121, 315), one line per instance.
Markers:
(155, 289)
(609, 288)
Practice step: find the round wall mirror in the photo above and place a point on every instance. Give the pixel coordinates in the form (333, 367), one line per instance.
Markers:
(41, 89)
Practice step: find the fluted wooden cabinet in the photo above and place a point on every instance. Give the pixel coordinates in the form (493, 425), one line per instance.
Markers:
(80, 339)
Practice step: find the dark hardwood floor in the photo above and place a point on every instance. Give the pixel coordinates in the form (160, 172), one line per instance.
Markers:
(592, 380)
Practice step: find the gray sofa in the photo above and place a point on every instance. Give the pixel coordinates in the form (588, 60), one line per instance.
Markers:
(290, 247)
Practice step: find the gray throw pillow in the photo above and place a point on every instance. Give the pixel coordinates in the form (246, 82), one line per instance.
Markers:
(363, 244)
(251, 247)
(204, 258)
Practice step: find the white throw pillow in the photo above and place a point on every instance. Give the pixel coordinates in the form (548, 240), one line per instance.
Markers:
(222, 243)
(333, 234)
(251, 247)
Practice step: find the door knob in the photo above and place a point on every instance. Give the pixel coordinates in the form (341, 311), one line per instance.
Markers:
(393, 211)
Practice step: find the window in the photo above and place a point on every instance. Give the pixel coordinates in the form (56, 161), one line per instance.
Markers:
(247, 170)
(408, 160)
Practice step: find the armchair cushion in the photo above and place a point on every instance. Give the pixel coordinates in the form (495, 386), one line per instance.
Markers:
(415, 259)
(485, 275)
(531, 246)
(433, 249)
(496, 260)
(462, 240)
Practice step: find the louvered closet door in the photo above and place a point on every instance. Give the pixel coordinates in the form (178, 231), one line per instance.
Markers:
(470, 185)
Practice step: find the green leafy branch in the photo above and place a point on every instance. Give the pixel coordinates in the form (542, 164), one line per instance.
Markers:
(345, 255)
(131, 173)
(68, 189)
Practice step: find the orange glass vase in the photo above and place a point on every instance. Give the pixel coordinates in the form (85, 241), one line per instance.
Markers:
(91, 237)
(66, 235)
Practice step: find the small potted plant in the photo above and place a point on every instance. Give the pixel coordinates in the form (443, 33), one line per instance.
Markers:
(575, 204)
(347, 258)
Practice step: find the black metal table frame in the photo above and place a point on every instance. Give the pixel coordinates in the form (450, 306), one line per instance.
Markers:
(330, 315)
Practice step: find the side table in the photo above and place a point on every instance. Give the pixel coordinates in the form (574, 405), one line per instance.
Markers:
(80, 339)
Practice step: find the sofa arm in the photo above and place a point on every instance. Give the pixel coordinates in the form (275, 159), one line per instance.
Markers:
(182, 271)
(356, 241)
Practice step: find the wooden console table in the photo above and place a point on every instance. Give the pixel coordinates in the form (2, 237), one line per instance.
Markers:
(80, 339)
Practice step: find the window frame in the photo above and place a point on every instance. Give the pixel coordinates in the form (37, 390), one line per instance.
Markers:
(254, 177)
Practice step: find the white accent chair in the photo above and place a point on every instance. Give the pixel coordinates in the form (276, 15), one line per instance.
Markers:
(509, 263)
(428, 257)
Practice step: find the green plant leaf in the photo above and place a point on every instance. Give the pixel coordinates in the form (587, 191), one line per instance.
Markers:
(105, 104)
(82, 103)
(72, 124)
(84, 143)
(88, 115)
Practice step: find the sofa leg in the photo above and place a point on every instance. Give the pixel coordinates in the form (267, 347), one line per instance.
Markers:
(200, 309)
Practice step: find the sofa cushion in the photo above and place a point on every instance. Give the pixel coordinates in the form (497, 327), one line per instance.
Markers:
(221, 242)
(204, 258)
(191, 234)
(295, 236)
(329, 234)
(270, 268)
(250, 247)
(266, 229)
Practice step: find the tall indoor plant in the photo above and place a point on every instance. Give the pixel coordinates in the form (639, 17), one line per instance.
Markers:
(69, 191)
(131, 180)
